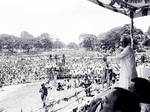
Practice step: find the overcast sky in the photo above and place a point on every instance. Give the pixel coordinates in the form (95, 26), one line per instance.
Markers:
(66, 19)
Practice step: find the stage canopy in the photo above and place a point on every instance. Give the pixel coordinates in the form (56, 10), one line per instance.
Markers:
(131, 8)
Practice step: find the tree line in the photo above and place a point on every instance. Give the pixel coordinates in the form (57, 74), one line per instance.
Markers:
(111, 39)
(27, 43)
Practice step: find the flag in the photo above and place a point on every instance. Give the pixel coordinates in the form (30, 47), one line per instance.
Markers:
(130, 8)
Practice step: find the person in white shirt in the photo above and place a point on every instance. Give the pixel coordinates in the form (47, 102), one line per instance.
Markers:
(127, 64)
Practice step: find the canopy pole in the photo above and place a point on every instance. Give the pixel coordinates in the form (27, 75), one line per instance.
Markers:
(132, 31)
(132, 26)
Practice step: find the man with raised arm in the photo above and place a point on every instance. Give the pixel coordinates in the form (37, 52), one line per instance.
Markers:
(127, 63)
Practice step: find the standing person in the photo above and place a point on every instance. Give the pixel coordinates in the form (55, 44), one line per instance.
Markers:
(143, 69)
(87, 85)
(44, 93)
(105, 71)
(127, 64)
(63, 59)
(109, 77)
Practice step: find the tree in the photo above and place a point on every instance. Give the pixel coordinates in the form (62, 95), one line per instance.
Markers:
(111, 39)
(7, 42)
(46, 41)
(38, 45)
(88, 41)
(46, 44)
(72, 45)
(58, 44)
(45, 35)
(26, 35)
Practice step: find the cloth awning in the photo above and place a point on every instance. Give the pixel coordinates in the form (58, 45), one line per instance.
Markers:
(130, 8)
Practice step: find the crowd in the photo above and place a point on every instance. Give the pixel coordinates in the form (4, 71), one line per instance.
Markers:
(30, 68)
(22, 69)
(87, 66)
(17, 69)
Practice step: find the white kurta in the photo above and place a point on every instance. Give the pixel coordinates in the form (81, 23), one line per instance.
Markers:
(128, 67)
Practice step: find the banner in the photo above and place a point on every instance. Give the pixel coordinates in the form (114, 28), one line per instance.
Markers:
(131, 8)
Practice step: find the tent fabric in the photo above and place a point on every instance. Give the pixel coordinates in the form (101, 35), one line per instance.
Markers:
(132, 8)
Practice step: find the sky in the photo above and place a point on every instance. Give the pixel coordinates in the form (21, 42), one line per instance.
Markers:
(63, 19)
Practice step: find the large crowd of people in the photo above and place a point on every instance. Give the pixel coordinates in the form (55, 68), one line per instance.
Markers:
(87, 67)
(22, 69)
(29, 68)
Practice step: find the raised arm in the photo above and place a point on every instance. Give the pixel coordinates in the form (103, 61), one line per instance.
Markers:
(124, 53)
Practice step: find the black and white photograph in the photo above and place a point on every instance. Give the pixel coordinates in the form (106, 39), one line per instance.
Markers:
(74, 55)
